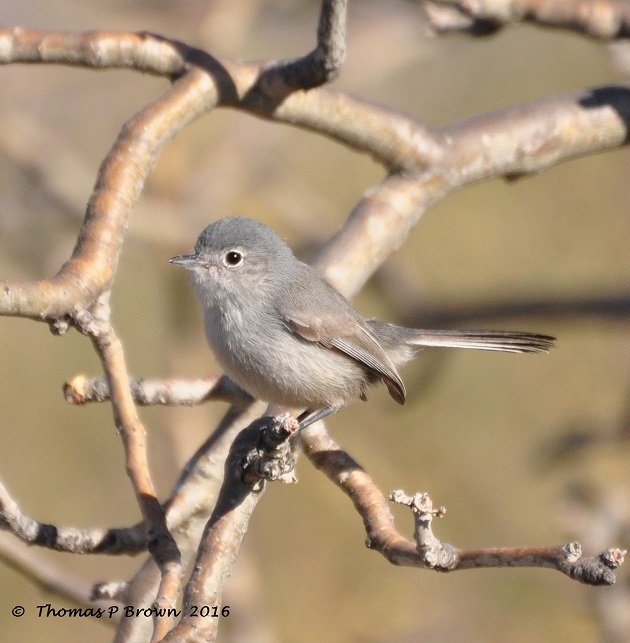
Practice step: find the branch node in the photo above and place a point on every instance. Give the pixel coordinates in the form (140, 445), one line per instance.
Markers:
(74, 390)
(110, 591)
(420, 503)
(272, 458)
(572, 551)
(59, 326)
(593, 570)
(613, 557)
(95, 321)
(323, 64)
(85, 323)
(435, 554)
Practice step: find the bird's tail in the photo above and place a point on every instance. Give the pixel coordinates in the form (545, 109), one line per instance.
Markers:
(485, 340)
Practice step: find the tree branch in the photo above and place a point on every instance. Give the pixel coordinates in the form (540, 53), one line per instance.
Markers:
(90, 270)
(426, 164)
(192, 500)
(161, 544)
(323, 64)
(262, 451)
(53, 578)
(149, 392)
(68, 539)
(601, 20)
(427, 551)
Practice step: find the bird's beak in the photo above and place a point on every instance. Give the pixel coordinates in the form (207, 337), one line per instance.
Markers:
(190, 262)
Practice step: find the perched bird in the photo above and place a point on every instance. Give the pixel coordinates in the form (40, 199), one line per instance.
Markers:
(286, 336)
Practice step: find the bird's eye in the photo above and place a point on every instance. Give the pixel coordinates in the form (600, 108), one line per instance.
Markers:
(232, 258)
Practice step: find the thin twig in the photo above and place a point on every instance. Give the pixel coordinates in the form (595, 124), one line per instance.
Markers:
(323, 64)
(51, 577)
(161, 544)
(150, 392)
(427, 551)
(69, 539)
(192, 500)
(248, 465)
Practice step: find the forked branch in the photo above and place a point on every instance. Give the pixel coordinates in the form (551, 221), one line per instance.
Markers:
(422, 163)
(427, 550)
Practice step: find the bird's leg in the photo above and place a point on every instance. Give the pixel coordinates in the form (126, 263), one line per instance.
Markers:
(309, 416)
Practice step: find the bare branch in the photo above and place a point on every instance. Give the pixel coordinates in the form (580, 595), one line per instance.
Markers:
(597, 570)
(378, 225)
(52, 578)
(97, 49)
(160, 541)
(192, 501)
(263, 440)
(150, 392)
(428, 551)
(323, 64)
(512, 142)
(68, 539)
(424, 164)
(568, 559)
(428, 164)
(532, 137)
(602, 20)
(89, 272)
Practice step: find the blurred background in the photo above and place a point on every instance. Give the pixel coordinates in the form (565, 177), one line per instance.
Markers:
(522, 450)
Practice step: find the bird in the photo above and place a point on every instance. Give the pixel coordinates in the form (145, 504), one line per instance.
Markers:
(285, 335)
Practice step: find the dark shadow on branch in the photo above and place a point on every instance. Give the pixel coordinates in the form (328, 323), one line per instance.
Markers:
(614, 96)
(322, 65)
(226, 88)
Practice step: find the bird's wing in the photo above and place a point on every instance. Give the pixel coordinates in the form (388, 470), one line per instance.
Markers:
(346, 334)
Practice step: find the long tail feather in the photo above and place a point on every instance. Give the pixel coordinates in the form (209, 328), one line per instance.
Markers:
(485, 340)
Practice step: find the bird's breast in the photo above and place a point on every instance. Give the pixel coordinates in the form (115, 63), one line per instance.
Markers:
(259, 352)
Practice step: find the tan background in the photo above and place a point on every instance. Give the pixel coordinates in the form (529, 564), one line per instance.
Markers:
(474, 429)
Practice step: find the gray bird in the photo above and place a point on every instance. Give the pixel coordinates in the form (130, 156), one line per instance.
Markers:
(286, 336)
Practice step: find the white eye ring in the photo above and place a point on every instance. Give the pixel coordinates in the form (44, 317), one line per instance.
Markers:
(233, 258)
